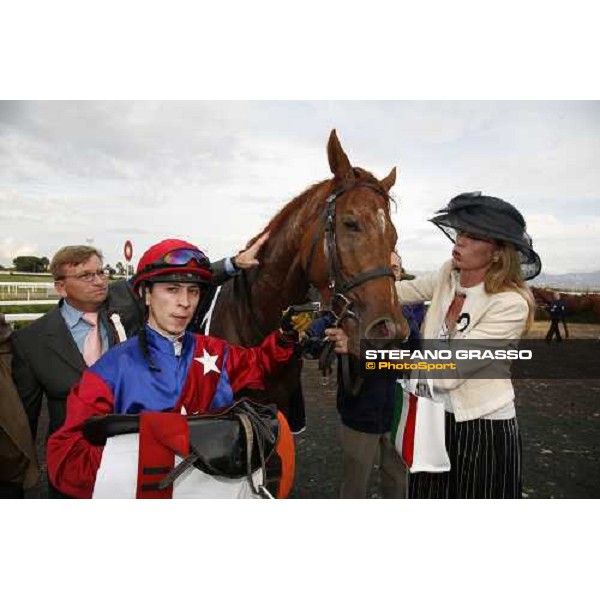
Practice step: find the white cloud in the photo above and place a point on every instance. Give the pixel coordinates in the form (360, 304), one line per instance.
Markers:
(10, 248)
(215, 172)
(566, 246)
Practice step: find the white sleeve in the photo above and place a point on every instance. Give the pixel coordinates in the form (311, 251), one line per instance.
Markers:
(420, 289)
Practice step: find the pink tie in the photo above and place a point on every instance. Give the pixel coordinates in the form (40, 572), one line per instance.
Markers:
(92, 346)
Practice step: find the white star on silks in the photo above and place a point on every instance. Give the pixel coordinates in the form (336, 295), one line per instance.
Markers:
(208, 362)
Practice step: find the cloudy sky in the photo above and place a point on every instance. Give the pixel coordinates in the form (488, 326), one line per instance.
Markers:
(216, 172)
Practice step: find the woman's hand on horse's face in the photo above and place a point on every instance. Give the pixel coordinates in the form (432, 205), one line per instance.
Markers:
(339, 338)
(246, 259)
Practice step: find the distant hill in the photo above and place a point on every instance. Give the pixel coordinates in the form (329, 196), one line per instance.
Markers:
(582, 282)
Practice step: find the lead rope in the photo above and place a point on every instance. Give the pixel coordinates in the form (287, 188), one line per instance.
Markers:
(351, 385)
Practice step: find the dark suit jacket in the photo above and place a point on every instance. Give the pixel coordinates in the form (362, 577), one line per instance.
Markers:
(46, 360)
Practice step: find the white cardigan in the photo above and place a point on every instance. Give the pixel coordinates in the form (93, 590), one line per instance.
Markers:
(493, 316)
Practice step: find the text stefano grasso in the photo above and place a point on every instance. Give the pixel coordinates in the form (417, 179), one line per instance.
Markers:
(497, 354)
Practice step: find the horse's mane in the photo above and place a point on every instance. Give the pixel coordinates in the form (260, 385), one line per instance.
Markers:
(310, 196)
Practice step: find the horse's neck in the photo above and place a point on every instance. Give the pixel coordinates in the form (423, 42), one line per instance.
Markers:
(280, 280)
(250, 306)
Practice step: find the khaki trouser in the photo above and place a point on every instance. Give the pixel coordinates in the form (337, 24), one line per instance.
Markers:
(362, 451)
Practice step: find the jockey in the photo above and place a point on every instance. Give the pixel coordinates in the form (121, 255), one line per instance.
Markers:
(162, 369)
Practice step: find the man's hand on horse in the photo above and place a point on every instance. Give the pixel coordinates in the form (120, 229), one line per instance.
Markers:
(339, 338)
(246, 259)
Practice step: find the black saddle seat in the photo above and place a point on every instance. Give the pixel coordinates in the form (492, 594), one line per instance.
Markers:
(219, 443)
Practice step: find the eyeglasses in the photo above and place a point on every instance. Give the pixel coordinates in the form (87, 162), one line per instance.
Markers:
(88, 276)
(182, 256)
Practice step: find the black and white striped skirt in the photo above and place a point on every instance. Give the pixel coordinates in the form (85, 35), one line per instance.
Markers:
(485, 455)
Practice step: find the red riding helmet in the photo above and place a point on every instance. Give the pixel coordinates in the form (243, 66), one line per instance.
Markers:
(173, 260)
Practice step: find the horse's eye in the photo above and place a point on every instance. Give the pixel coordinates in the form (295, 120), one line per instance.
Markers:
(351, 223)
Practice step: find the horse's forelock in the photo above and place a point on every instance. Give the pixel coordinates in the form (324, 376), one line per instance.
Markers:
(365, 177)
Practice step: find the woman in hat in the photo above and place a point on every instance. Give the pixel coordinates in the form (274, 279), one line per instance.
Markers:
(480, 294)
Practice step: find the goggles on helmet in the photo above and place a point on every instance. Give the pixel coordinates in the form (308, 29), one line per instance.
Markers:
(182, 256)
(185, 265)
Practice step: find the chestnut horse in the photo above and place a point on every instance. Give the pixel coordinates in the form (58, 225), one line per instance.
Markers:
(336, 236)
(574, 303)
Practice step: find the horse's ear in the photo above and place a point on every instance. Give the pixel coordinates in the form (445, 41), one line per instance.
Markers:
(388, 182)
(338, 161)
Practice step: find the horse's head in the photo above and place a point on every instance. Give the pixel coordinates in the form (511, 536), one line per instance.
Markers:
(346, 253)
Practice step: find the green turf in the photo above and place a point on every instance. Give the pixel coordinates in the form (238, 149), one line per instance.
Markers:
(26, 308)
(4, 276)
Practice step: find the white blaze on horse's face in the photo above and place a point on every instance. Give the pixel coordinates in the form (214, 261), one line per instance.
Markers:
(381, 218)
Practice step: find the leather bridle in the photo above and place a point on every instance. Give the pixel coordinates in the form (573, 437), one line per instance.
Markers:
(339, 285)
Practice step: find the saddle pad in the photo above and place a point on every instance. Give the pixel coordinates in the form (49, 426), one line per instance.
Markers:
(218, 439)
(118, 473)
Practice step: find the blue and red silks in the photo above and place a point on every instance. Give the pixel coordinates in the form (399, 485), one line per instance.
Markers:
(204, 378)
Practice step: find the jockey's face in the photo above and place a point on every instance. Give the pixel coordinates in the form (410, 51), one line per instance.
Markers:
(171, 306)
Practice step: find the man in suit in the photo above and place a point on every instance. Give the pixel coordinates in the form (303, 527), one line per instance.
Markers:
(50, 355)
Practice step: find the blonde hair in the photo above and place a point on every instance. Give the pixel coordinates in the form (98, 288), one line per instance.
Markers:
(71, 255)
(505, 275)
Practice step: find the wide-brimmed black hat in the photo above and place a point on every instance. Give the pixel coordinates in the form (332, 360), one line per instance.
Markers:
(490, 218)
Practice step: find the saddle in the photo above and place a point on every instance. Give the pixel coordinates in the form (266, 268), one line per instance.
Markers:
(232, 444)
